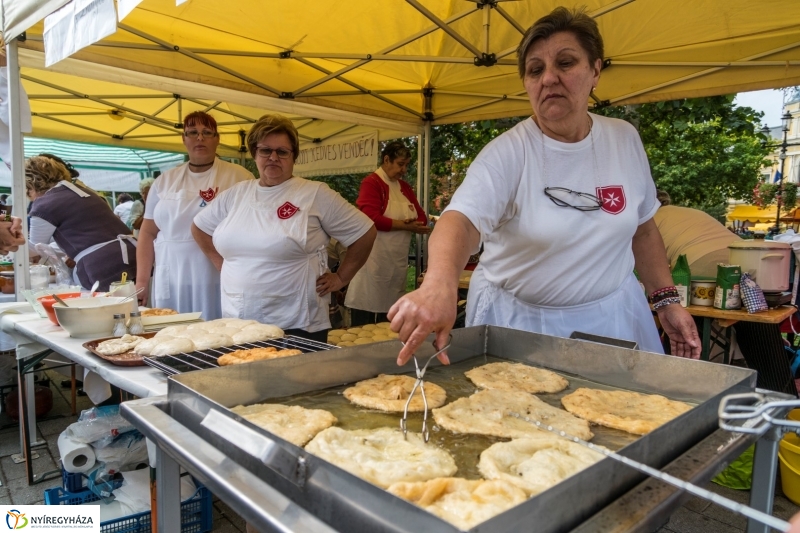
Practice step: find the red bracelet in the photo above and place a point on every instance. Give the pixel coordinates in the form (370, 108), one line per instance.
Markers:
(660, 294)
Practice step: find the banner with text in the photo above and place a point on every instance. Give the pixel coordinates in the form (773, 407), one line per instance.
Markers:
(343, 154)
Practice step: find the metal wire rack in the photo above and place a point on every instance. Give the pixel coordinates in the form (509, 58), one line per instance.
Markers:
(200, 360)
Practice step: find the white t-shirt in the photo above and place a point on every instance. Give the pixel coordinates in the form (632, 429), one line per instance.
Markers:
(123, 211)
(549, 255)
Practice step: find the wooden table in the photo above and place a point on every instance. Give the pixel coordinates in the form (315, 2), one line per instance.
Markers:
(726, 318)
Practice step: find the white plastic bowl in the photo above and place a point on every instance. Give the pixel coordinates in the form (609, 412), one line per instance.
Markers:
(90, 317)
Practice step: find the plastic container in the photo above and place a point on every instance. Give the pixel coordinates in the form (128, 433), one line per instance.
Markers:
(789, 458)
(73, 482)
(703, 292)
(195, 511)
(48, 301)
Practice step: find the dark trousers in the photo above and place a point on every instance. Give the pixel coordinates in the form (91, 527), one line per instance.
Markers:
(763, 350)
(319, 336)
(359, 317)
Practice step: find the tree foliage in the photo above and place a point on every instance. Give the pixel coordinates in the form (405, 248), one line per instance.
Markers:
(702, 151)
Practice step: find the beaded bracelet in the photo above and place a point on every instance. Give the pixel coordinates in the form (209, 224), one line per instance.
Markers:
(660, 294)
(666, 301)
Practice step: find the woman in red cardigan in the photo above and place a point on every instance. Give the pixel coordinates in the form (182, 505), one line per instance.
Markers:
(391, 204)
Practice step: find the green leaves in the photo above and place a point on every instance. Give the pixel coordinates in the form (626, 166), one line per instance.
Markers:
(701, 150)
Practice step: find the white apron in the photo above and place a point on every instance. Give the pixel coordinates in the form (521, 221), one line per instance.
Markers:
(382, 279)
(185, 279)
(267, 274)
(623, 314)
(120, 238)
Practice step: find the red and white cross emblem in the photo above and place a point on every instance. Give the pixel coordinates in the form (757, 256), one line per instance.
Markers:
(287, 210)
(613, 198)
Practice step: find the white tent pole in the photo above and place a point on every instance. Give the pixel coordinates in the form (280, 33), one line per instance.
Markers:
(21, 264)
(418, 254)
(426, 184)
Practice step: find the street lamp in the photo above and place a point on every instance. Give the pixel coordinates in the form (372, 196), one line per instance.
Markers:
(786, 119)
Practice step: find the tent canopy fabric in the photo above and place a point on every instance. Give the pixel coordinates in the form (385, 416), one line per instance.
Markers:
(752, 213)
(448, 61)
(86, 102)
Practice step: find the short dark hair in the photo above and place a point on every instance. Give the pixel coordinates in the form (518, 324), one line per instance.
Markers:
(663, 197)
(268, 125)
(72, 172)
(561, 19)
(394, 150)
(124, 197)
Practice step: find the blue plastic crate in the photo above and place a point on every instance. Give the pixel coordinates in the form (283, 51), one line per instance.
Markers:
(195, 511)
(72, 482)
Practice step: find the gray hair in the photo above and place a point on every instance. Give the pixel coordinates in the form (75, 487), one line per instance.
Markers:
(145, 184)
(561, 19)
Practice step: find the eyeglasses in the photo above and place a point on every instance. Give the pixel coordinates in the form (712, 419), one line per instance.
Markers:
(204, 134)
(560, 197)
(266, 153)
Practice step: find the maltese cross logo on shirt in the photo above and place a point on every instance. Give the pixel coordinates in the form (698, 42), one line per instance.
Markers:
(613, 198)
(287, 210)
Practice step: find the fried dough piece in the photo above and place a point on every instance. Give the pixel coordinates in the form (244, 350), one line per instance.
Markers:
(382, 456)
(171, 331)
(157, 311)
(535, 463)
(296, 424)
(256, 354)
(516, 377)
(147, 345)
(172, 347)
(629, 411)
(257, 332)
(462, 502)
(390, 393)
(118, 346)
(487, 413)
(207, 341)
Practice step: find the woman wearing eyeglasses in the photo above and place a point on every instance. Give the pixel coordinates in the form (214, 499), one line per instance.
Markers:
(563, 204)
(269, 237)
(184, 278)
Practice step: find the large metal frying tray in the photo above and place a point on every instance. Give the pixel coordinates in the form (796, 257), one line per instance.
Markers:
(199, 401)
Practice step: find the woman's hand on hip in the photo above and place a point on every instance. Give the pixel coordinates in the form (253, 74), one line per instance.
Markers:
(431, 308)
(328, 283)
(679, 325)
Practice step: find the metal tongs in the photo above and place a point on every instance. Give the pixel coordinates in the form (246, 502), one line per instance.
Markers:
(756, 411)
(749, 512)
(421, 385)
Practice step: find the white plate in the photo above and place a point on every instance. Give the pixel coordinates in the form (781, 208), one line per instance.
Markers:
(166, 319)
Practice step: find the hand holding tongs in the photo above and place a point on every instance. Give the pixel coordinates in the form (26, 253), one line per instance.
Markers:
(421, 385)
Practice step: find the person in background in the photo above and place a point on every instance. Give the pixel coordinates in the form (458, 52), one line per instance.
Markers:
(563, 203)
(392, 205)
(185, 279)
(123, 209)
(137, 210)
(79, 222)
(693, 233)
(3, 199)
(269, 238)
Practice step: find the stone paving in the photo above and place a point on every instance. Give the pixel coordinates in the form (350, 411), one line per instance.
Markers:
(697, 516)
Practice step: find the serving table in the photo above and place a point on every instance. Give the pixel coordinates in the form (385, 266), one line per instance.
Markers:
(35, 338)
(725, 318)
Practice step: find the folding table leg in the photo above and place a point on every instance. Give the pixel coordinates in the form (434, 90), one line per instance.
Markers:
(706, 346)
(168, 492)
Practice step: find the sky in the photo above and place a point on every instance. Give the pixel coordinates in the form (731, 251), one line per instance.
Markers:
(770, 101)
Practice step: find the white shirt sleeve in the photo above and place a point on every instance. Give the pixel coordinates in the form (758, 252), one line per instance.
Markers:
(486, 197)
(340, 219)
(152, 201)
(214, 213)
(41, 231)
(650, 203)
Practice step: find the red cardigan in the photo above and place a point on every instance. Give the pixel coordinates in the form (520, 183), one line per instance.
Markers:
(373, 197)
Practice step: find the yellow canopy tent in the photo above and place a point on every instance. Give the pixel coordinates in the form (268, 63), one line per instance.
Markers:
(752, 214)
(439, 60)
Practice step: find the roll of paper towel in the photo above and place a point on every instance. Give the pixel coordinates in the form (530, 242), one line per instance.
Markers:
(75, 456)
